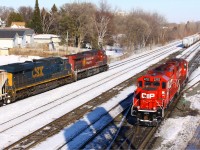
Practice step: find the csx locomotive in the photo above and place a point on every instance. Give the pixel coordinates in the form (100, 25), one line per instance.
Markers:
(156, 90)
(20, 80)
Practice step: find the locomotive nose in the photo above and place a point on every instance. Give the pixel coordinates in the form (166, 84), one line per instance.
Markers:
(148, 100)
(148, 94)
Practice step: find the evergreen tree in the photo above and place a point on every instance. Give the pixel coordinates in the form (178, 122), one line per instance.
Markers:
(54, 27)
(54, 8)
(36, 23)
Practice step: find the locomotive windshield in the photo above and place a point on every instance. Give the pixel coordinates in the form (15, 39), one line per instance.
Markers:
(151, 84)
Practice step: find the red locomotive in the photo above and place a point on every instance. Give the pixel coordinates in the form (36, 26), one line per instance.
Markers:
(156, 89)
(88, 63)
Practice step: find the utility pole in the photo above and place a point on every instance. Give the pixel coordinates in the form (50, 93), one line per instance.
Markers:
(67, 41)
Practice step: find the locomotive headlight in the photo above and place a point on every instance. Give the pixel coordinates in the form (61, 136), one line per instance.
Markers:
(138, 107)
(154, 108)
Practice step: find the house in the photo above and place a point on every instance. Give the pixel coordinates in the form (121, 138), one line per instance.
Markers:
(2, 23)
(50, 39)
(15, 37)
(17, 25)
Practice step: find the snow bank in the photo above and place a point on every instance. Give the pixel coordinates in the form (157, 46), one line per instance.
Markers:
(176, 132)
(195, 101)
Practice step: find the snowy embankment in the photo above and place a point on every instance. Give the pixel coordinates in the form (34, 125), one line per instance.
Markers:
(177, 132)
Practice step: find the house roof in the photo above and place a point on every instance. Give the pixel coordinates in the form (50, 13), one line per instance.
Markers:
(18, 24)
(46, 36)
(10, 32)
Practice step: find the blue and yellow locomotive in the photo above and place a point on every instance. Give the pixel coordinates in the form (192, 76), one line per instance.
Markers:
(20, 80)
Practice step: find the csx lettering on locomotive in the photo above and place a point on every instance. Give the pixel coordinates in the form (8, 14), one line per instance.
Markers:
(38, 72)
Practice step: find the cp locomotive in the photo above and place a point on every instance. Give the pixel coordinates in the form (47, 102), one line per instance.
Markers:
(157, 89)
(20, 80)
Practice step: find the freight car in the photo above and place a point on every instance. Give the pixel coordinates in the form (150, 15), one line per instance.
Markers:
(157, 89)
(20, 80)
(188, 41)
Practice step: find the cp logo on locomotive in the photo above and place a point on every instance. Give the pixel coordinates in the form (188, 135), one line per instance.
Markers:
(144, 95)
(38, 72)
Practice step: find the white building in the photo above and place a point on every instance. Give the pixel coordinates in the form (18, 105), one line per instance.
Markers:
(50, 39)
(10, 38)
(2, 23)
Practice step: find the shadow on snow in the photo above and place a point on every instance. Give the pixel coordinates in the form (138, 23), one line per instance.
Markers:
(78, 133)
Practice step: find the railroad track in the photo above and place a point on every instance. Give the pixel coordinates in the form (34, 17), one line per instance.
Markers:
(142, 56)
(191, 50)
(44, 130)
(194, 63)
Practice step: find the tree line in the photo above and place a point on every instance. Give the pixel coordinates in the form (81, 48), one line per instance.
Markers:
(81, 23)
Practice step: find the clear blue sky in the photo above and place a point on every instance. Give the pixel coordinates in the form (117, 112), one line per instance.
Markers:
(173, 10)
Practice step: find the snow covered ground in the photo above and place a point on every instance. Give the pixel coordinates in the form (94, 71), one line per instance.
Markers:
(4, 60)
(15, 109)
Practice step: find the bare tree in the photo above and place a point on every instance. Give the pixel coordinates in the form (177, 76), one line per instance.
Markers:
(5, 11)
(102, 19)
(78, 18)
(137, 31)
(26, 13)
(47, 20)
